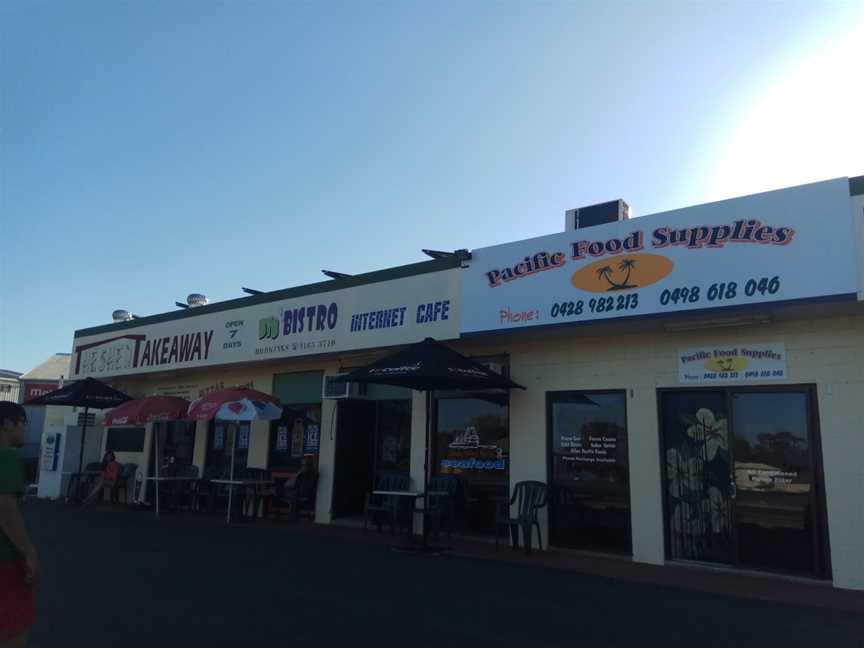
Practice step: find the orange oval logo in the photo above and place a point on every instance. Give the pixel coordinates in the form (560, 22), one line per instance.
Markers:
(623, 272)
(726, 364)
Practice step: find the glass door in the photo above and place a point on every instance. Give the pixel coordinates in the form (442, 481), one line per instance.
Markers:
(740, 479)
(774, 476)
(589, 504)
(698, 476)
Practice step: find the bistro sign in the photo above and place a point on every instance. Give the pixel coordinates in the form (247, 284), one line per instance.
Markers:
(763, 248)
(399, 311)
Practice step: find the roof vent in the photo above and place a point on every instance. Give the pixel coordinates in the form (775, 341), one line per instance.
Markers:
(121, 315)
(197, 299)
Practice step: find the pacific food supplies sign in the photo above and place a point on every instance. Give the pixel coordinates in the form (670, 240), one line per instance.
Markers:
(782, 245)
(400, 311)
(736, 363)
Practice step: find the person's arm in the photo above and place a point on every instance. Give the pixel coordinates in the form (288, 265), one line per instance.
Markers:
(12, 524)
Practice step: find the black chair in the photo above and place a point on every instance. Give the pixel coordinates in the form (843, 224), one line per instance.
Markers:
(299, 498)
(124, 478)
(184, 491)
(251, 495)
(529, 497)
(441, 507)
(207, 492)
(383, 507)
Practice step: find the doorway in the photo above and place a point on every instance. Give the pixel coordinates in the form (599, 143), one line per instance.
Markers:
(742, 478)
(372, 437)
(353, 466)
(589, 501)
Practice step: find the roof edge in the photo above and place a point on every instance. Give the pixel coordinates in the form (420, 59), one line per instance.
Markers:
(330, 285)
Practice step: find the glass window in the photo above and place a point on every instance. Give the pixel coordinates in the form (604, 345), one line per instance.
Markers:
(176, 443)
(125, 439)
(220, 439)
(472, 441)
(297, 433)
(589, 503)
(394, 436)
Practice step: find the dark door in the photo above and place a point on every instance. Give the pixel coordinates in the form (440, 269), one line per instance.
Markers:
(698, 477)
(589, 504)
(354, 463)
(774, 479)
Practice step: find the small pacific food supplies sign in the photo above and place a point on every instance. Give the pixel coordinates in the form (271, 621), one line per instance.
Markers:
(736, 363)
(785, 245)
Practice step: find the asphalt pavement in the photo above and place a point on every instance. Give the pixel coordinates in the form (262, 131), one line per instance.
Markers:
(126, 579)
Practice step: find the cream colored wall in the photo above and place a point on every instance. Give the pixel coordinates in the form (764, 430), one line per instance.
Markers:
(828, 353)
(326, 457)
(418, 446)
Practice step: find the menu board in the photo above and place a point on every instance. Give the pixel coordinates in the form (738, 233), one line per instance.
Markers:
(593, 449)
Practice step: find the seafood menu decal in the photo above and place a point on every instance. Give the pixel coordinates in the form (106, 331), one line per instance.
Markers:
(760, 248)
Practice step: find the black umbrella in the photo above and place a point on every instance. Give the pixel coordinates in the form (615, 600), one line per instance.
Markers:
(429, 365)
(87, 393)
(426, 366)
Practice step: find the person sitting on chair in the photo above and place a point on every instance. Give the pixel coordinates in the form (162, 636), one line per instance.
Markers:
(302, 490)
(108, 478)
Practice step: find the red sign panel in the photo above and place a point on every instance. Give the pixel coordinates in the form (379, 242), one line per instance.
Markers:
(34, 390)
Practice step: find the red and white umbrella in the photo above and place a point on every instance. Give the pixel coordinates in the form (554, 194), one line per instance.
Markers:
(236, 404)
(141, 411)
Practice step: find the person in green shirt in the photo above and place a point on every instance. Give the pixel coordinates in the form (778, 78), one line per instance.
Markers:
(19, 563)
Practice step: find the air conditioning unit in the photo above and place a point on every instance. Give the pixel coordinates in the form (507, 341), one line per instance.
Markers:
(333, 390)
(608, 212)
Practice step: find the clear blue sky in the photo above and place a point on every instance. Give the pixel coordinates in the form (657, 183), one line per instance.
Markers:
(153, 149)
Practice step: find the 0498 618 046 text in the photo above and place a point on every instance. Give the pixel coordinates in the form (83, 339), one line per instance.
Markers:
(720, 291)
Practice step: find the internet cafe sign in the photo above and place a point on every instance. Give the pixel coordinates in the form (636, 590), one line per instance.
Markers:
(381, 314)
(795, 243)
(737, 363)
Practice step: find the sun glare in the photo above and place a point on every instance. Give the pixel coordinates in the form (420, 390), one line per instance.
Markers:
(804, 127)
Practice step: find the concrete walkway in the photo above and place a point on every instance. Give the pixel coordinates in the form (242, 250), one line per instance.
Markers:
(125, 579)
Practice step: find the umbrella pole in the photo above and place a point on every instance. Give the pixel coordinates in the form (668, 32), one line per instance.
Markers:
(426, 468)
(81, 452)
(234, 428)
(156, 462)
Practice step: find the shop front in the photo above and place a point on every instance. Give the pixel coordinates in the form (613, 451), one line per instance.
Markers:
(287, 343)
(698, 382)
(692, 381)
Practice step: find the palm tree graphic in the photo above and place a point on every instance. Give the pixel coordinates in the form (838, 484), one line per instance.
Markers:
(606, 272)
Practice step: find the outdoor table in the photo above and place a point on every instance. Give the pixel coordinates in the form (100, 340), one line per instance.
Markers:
(231, 483)
(159, 480)
(75, 478)
(415, 495)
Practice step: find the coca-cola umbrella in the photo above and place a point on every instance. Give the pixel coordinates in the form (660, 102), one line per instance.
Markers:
(150, 409)
(235, 404)
(89, 394)
(426, 366)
